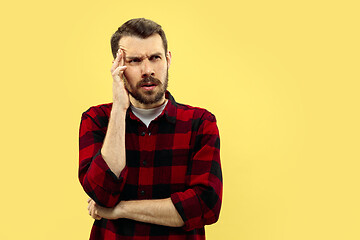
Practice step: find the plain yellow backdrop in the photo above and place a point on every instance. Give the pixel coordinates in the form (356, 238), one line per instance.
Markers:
(282, 78)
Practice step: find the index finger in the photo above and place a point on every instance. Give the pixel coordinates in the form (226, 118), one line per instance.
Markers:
(122, 57)
(116, 61)
(119, 59)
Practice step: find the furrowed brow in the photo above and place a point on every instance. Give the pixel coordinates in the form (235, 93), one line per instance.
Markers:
(133, 57)
(141, 57)
(156, 54)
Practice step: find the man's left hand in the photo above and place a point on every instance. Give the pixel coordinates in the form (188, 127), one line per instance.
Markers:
(97, 212)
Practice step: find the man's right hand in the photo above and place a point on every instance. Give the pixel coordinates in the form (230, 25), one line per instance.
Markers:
(120, 94)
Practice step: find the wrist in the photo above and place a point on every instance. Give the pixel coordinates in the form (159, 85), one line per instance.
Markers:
(118, 108)
(119, 210)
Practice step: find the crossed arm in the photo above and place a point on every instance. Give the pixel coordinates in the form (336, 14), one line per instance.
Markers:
(157, 211)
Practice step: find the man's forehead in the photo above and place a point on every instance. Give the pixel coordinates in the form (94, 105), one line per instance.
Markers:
(138, 46)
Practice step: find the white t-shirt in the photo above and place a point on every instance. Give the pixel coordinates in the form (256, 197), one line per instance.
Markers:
(147, 115)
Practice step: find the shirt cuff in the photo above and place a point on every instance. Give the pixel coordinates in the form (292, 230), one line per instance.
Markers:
(100, 174)
(188, 206)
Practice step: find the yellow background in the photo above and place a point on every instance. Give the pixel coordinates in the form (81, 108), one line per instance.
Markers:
(282, 78)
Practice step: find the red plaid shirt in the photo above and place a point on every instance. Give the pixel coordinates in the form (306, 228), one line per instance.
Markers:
(177, 156)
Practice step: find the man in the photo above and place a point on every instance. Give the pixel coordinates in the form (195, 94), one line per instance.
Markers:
(150, 165)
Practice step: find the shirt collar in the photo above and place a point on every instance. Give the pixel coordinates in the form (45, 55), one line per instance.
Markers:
(169, 113)
(171, 108)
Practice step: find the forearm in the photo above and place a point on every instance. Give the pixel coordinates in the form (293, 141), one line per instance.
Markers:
(155, 211)
(113, 149)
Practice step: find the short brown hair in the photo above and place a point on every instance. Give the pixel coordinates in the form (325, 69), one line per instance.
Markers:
(138, 27)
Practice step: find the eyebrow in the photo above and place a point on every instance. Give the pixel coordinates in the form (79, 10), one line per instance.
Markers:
(138, 57)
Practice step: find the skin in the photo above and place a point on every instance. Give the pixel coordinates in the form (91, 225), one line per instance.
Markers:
(136, 60)
(113, 149)
(155, 211)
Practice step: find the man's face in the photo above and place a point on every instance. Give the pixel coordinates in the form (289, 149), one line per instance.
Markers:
(147, 69)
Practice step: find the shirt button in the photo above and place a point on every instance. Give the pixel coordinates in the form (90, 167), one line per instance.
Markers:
(144, 163)
(143, 134)
(149, 133)
(142, 192)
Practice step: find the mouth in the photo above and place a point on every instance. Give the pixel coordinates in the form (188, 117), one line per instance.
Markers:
(148, 86)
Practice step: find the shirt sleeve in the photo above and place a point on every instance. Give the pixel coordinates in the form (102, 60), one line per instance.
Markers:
(200, 204)
(95, 176)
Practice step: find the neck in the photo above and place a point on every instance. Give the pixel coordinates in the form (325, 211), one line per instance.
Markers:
(137, 104)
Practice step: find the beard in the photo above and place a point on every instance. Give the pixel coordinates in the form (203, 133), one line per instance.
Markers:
(151, 96)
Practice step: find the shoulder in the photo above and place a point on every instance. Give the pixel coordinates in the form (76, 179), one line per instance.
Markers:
(203, 125)
(187, 111)
(98, 115)
(98, 110)
(184, 112)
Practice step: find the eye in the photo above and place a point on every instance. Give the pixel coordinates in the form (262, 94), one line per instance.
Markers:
(155, 57)
(134, 60)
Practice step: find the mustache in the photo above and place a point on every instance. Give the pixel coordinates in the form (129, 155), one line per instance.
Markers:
(148, 80)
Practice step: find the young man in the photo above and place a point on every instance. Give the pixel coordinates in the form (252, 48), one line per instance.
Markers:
(150, 165)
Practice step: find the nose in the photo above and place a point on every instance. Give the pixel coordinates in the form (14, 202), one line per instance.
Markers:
(147, 69)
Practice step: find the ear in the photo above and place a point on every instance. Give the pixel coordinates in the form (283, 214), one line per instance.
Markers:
(168, 58)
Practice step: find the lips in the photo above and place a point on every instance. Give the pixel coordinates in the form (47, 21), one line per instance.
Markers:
(148, 84)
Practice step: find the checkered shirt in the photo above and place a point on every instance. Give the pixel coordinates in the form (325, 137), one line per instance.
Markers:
(177, 156)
